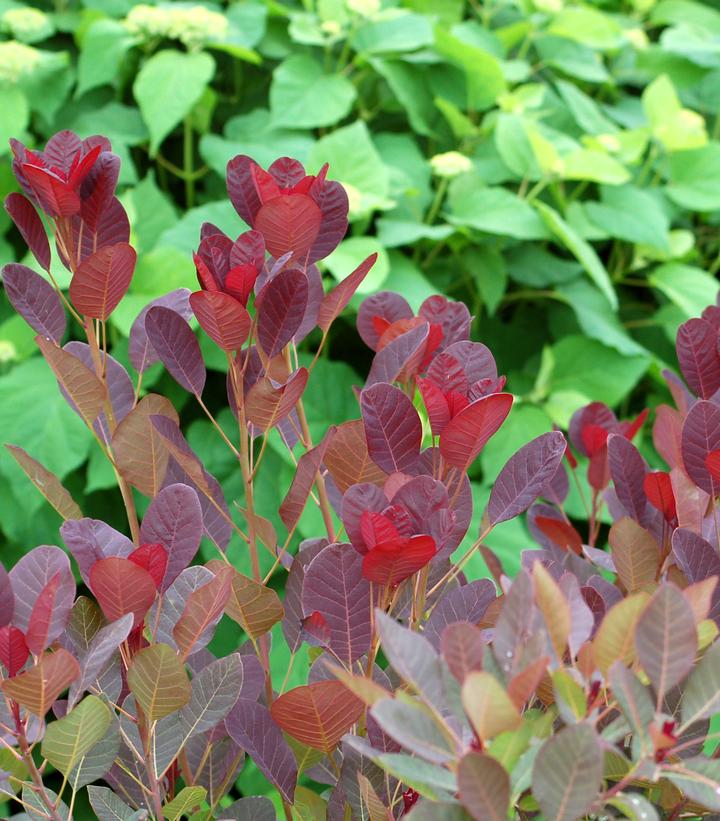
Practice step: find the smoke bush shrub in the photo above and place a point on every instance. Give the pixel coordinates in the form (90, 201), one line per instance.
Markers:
(582, 688)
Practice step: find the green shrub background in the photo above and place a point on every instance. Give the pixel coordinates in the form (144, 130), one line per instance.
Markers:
(581, 230)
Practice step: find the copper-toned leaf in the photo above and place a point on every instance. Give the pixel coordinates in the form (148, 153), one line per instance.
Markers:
(158, 680)
(367, 690)
(635, 553)
(176, 346)
(392, 428)
(121, 587)
(560, 533)
(335, 301)
(305, 473)
(102, 280)
(253, 606)
(615, 638)
(224, 319)
(488, 706)
(37, 688)
(318, 714)
(347, 458)
(554, 607)
(203, 608)
(47, 483)
(666, 638)
(484, 787)
(22, 212)
(86, 392)
(468, 432)
(267, 405)
(462, 646)
(139, 451)
(35, 299)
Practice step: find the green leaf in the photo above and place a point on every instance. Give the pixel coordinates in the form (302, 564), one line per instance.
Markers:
(350, 253)
(691, 289)
(634, 807)
(493, 210)
(158, 680)
(695, 178)
(585, 110)
(183, 802)
(487, 267)
(587, 25)
(513, 145)
(698, 779)
(153, 213)
(631, 214)
(167, 87)
(355, 162)
(108, 807)
(408, 84)
(15, 115)
(675, 127)
(395, 30)
(581, 250)
(596, 166)
(395, 232)
(104, 46)
(571, 57)
(483, 72)
(71, 737)
(303, 96)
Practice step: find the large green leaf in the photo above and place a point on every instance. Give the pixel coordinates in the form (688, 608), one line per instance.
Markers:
(494, 210)
(483, 71)
(71, 737)
(691, 289)
(695, 178)
(167, 87)
(631, 214)
(303, 96)
(104, 46)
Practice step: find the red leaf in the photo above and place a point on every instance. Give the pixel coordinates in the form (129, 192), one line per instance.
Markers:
(289, 223)
(392, 562)
(151, 557)
(466, 434)
(240, 281)
(658, 489)
(203, 608)
(376, 528)
(55, 196)
(222, 318)
(41, 616)
(629, 429)
(102, 280)
(712, 463)
(307, 467)
(267, 405)
(121, 587)
(560, 533)
(336, 300)
(318, 714)
(436, 405)
(594, 439)
(13, 649)
(22, 212)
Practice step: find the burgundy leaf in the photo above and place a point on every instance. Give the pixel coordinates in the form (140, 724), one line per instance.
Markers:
(35, 300)
(700, 437)
(153, 558)
(524, 476)
(141, 352)
(596, 413)
(174, 520)
(177, 347)
(463, 648)
(392, 428)
(292, 603)
(22, 212)
(336, 300)
(241, 188)
(36, 635)
(467, 603)
(697, 352)
(102, 280)
(112, 227)
(438, 409)
(55, 196)
(391, 562)
(307, 467)
(659, 491)
(90, 540)
(14, 651)
(476, 359)
(222, 318)
(332, 200)
(466, 434)
(280, 310)
(29, 578)
(386, 306)
(98, 190)
(628, 469)
(7, 598)
(253, 729)
(289, 223)
(334, 587)
(401, 358)
(453, 317)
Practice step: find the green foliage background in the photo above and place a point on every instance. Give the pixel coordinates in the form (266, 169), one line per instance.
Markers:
(582, 230)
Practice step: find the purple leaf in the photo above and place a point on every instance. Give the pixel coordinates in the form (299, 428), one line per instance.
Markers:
(332, 200)
(696, 345)
(316, 293)
(698, 560)
(172, 606)
(427, 503)
(120, 389)
(399, 358)
(476, 359)
(7, 598)
(628, 469)
(112, 228)
(392, 428)
(35, 300)
(467, 433)
(357, 499)
(467, 603)
(453, 317)
(596, 413)
(524, 476)
(251, 726)
(463, 648)
(141, 352)
(28, 578)
(281, 306)
(102, 647)
(307, 467)
(90, 540)
(174, 520)
(386, 305)
(22, 212)
(292, 621)
(514, 625)
(700, 437)
(581, 621)
(334, 586)
(177, 347)
(250, 808)
(217, 769)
